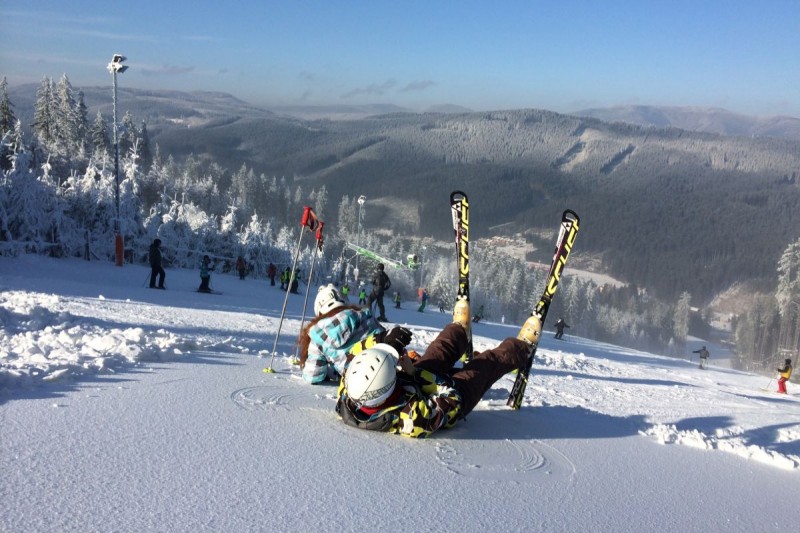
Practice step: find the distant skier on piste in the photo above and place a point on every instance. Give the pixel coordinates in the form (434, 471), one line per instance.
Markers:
(383, 389)
(785, 374)
(423, 300)
(337, 331)
(560, 325)
(703, 357)
(205, 274)
(380, 284)
(156, 270)
(241, 267)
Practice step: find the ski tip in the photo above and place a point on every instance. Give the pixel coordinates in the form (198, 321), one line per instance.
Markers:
(457, 195)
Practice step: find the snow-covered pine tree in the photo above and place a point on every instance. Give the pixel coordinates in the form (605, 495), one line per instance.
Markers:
(101, 143)
(347, 219)
(7, 118)
(43, 117)
(680, 321)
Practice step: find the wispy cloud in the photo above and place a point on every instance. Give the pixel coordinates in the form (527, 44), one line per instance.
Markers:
(417, 86)
(166, 70)
(374, 89)
(202, 38)
(53, 59)
(112, 35)
(52, 16)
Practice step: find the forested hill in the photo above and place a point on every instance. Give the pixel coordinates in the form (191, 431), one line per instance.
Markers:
(664, 208)
(667, 209)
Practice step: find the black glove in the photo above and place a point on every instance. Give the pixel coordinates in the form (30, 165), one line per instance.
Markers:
(398, 338)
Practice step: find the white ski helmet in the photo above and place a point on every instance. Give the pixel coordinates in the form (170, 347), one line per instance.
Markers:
(372, 375)
(327, 298)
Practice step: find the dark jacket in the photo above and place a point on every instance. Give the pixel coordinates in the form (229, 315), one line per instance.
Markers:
(703, 352)
(380, 283)
(155, 255)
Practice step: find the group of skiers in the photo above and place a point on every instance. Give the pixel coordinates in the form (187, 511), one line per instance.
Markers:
(157, 273)
(383, 385)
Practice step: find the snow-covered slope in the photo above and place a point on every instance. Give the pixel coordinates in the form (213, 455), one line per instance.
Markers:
(129, 409)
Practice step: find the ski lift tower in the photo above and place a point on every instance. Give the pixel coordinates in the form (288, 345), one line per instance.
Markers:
(116, 67)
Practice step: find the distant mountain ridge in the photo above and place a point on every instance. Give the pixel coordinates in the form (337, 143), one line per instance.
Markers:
(700, 119)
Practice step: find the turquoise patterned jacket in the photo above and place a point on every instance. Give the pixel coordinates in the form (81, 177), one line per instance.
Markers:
(333, 338)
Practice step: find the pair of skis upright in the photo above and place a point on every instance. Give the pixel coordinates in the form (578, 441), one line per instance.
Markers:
(570, 223)
(459, 208)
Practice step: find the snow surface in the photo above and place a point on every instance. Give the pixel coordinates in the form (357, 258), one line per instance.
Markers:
(124, 408)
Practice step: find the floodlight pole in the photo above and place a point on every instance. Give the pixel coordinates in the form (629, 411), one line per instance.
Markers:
(119, 244)
(361, 200)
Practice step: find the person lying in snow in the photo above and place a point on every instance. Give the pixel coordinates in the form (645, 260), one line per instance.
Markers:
(385, 390)
(338, 330)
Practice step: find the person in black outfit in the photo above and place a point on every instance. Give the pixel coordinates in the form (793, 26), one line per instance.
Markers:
(560, 325)
(380, 284)
(703, 357)
(155, 265)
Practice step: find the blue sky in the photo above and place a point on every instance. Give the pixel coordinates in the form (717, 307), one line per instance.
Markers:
(560, 55)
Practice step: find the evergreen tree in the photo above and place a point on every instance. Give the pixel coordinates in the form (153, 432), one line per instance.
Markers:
(127, 135)
(787, 297)
(7, 118)
(43, 119)
(101, 143)
(319, 200)
(680, 321)
(81, 124)
(347, 219)
(787, 293)
(66, 127)
(146, 156)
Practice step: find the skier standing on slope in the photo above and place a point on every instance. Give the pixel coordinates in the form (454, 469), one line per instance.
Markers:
(560, 325)
(362, 295)
(424, 300)
(205, 274)
(380, 284)
(786, 373)
(337, 331)
(384, 390)
(703, 357)
(156, 270)
(241, 267)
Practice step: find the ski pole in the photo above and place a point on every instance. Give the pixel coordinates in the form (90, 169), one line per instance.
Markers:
(317, 249)
(308, 219)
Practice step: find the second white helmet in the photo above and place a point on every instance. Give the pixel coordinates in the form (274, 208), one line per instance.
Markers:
(327, 298)
(372, 375)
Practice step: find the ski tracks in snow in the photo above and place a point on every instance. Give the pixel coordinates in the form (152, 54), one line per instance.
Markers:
(529, 461)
